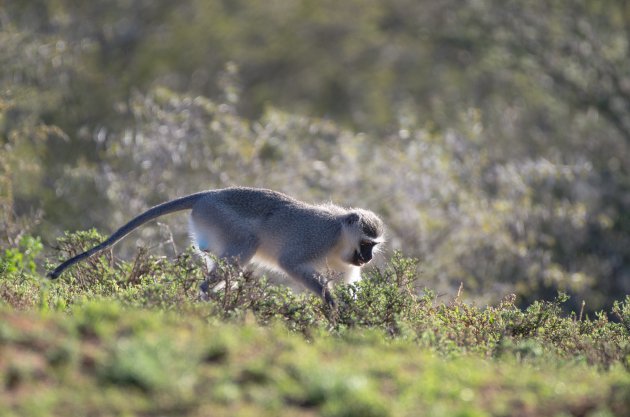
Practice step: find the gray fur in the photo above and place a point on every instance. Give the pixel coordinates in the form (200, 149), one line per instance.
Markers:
(273, 229)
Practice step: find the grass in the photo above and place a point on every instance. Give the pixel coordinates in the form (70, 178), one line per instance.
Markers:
(131, 339)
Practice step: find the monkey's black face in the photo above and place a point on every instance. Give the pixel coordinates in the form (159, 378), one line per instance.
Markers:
(364, 254)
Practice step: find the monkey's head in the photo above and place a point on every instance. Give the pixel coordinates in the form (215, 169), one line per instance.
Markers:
(366, 231)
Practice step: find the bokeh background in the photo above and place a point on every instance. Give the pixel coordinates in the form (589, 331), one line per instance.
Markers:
(492, 135)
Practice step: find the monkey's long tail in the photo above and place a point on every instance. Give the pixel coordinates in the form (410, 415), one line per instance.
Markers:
(183, 203)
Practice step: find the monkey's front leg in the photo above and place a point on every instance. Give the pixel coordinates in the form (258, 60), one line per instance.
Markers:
(310, 278)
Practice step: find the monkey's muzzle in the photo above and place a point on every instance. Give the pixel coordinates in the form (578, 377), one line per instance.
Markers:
(359, 260)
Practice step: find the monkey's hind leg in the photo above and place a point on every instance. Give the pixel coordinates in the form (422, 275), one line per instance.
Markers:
(239, 254)
(230, 242)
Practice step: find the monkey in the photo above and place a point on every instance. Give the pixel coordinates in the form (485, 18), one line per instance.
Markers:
(270, 228)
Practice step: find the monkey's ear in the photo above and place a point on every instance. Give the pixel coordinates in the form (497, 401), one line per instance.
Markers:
(352, 218)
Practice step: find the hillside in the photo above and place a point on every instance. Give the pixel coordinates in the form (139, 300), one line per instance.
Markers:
(132, 339)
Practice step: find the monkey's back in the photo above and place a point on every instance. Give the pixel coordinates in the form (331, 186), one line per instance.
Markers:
(255, 202)
(274, 214)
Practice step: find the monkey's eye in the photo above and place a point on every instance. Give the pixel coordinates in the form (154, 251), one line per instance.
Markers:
(367, 243)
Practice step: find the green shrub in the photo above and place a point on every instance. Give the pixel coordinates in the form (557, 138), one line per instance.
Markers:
(21, 257)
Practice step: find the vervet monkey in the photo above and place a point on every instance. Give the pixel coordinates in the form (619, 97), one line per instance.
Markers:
(272, 229)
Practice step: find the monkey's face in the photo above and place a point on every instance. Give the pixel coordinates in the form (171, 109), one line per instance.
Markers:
(364, 231)
(363, 254)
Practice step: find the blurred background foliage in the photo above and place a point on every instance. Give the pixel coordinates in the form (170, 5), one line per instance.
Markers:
(492, 135)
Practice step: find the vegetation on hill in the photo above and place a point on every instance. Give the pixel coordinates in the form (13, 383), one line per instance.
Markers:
(132, 338)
